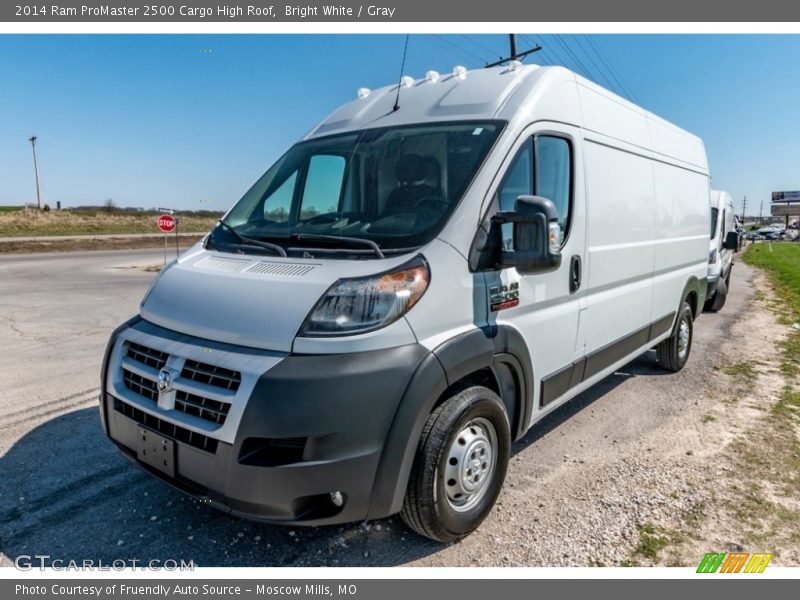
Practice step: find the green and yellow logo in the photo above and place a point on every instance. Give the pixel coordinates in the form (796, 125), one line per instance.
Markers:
(735, 562)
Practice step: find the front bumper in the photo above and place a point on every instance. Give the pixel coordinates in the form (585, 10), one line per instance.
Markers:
(309, 425)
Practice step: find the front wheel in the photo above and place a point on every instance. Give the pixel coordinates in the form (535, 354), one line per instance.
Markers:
(673, 352)
(717, 301)
(459, 467)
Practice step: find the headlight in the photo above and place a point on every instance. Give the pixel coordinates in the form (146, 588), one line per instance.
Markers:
(364, 304)
(712, 256)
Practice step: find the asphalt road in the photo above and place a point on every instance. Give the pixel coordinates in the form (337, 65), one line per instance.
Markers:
(65, 492)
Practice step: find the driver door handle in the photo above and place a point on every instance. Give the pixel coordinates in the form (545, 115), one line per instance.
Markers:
(574, 274)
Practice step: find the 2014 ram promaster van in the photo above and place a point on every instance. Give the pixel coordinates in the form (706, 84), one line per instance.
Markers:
(724, 242)
(425, 275)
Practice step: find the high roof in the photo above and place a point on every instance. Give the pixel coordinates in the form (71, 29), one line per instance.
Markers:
(516, 94)
(470, 95)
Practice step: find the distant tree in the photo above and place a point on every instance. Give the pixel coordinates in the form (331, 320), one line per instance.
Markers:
(109, 205)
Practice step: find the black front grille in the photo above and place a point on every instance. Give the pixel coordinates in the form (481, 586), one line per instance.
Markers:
(211, 375)
(165, 428)
(140, 385)
(147, 356)
(205, 408)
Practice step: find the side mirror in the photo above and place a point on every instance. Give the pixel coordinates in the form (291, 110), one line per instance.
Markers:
(731, 241)
(537, 236)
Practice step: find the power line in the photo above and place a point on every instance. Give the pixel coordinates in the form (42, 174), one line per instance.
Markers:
(611, 70)
(545, 52)
(483, 47)
(600, 70)
(463, 51)
(584, 71)
(457, 56)
(559, 59)
(514, 55)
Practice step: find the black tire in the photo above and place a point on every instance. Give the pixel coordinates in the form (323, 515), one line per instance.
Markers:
(428, 507)
(672, 355)
(721, 294)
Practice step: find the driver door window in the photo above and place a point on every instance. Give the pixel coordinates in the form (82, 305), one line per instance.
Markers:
(542, 167)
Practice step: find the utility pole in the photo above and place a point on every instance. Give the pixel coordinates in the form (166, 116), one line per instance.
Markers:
(515, 55)
(761, 214)
(744, 208)
(32, 140)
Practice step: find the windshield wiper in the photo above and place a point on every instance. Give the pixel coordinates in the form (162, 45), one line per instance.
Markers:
(253, 242)
(340, 238)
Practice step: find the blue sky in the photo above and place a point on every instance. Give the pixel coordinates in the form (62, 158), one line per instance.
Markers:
(192, 120)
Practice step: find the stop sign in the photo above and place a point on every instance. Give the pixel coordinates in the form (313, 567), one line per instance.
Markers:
(167, 223)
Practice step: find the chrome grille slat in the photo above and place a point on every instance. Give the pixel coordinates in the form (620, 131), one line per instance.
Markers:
(211, 375)
(203, 390)
(148, 356)
(205, 408)
(140, 385)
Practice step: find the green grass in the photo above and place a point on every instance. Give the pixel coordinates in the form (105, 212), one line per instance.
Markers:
(788, 405)
(782, 265)
(744, 370)
(8, 209)
(653, 539)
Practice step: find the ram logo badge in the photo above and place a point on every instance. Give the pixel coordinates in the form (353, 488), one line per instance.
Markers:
(504, 296)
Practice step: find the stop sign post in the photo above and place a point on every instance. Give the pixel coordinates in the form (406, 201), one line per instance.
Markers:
(168, 223)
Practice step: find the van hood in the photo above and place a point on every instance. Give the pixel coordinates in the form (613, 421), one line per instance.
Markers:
(254, 301)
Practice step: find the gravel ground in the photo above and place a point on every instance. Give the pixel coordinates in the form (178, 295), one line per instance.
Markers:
(627, 456)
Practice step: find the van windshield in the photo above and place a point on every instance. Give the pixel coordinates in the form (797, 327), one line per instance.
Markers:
(393, 188)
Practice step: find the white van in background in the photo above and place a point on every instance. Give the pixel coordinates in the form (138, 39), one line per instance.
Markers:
(724, 242)
(425, 275)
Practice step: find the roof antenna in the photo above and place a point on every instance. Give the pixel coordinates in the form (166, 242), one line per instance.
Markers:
(402, 68)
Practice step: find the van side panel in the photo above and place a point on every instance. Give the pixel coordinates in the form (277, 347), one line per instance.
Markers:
(612, 116)
(620, 211)
(676, 144)
(681, 233)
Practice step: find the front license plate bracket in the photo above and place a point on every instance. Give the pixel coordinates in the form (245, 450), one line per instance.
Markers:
(156, 451)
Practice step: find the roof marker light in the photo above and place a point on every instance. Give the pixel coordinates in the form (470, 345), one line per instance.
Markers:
(363, 92)
(406, 81)
(432, 76)
(460, 72)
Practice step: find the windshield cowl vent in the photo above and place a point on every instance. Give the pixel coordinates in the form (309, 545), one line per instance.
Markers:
(280, 269)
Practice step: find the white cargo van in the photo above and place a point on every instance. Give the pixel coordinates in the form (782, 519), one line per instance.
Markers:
(724, 242)
(412, 286)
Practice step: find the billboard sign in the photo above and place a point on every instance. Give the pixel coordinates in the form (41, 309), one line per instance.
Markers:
(786, 209)
(786, 196)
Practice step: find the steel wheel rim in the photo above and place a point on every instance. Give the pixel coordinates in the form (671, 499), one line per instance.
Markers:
(470, 464)
(683, 337)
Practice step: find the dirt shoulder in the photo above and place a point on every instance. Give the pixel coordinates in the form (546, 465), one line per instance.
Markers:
(744, 466)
